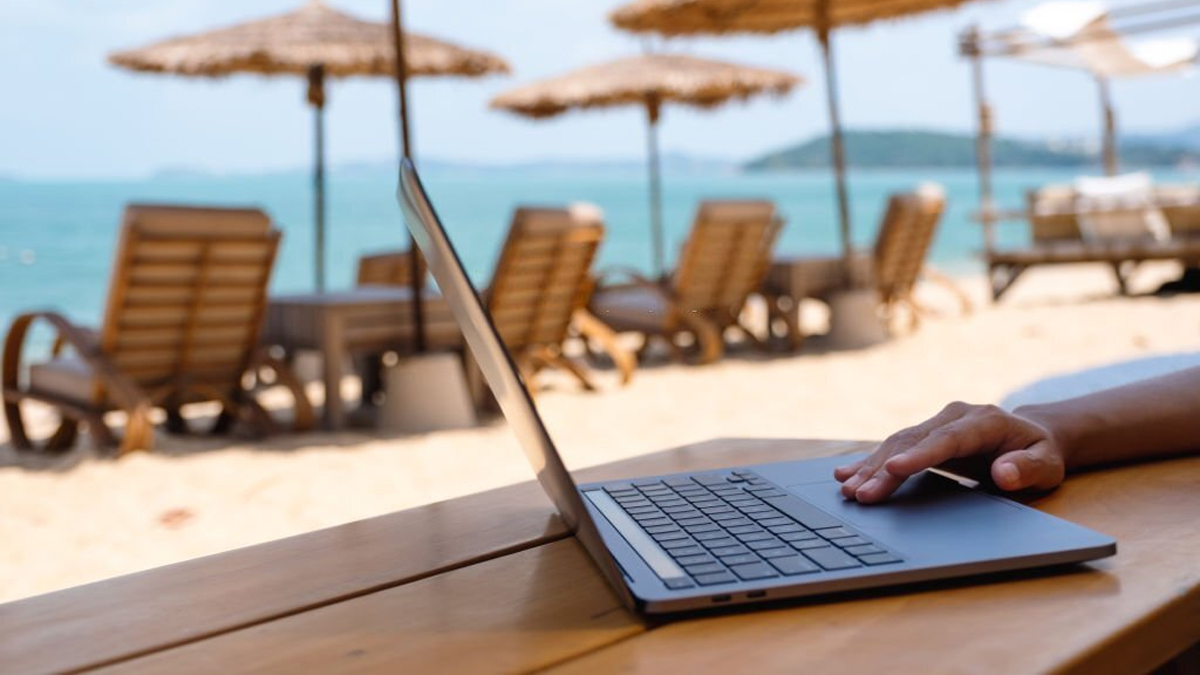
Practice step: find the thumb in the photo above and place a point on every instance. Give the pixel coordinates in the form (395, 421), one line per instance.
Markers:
(1038, 466)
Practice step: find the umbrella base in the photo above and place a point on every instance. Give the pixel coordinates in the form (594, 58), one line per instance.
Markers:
(426, 393)
(854, 321)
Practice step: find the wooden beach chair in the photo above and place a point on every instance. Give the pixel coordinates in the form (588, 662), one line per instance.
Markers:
(723, 261)
(185, 308)
(541, 286)
(390, 268)
(892, 267)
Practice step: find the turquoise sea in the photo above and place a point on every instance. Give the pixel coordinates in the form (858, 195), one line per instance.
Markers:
(57, 238)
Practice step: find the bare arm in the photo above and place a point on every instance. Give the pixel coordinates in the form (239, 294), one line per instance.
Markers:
(1034, 446)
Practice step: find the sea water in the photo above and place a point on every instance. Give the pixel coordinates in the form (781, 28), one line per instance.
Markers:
(57, 238)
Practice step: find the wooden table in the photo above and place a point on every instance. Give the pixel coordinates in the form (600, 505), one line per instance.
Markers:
(492, 583)
(365, 320)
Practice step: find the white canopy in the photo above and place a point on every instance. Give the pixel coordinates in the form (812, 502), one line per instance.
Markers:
(1077, 34)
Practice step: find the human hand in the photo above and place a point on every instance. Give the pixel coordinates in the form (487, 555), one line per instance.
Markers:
(1023, 453)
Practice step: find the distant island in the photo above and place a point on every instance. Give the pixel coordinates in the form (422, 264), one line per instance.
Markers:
(931, 149)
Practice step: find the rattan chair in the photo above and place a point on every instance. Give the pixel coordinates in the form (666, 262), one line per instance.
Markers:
(184, 313)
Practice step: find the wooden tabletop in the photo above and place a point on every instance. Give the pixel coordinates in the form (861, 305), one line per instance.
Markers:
(492, 583)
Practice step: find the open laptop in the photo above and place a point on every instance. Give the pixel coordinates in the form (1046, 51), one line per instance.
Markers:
(746, 534)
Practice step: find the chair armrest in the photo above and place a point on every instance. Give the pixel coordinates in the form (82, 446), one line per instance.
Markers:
(125, 392)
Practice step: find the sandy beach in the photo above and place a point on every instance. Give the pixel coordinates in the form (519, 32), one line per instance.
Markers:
(81, 518)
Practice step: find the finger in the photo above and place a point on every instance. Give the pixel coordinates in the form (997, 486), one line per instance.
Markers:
(1039, 467)
(878, 488)
(847, 470)
(977, 433)
(898, 442)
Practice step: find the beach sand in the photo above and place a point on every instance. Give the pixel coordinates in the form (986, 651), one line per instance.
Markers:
(82, 518)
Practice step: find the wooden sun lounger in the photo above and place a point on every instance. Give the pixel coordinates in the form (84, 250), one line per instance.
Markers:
(182, 325)
(1058, 238)
(723, 261)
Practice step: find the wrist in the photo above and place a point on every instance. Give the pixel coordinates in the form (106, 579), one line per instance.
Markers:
(1056, 426)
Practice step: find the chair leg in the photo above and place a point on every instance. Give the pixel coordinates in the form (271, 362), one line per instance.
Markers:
(942, 279)
(303, 417)
(175, 422)
(16, 426)
(1003, 277)
(64, 437)
(575, 370)
(139, 432)
(592, 328)
(708, 336)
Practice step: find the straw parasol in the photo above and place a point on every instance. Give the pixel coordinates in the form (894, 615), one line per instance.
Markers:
(315, 41)
(649, 81)
(1079, 36)
(725, 17)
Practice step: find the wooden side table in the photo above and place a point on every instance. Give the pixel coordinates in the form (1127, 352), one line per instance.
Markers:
(365, 320)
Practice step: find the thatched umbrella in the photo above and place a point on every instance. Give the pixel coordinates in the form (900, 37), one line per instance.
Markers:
(314, 41)
(724, 17)
(648, 81)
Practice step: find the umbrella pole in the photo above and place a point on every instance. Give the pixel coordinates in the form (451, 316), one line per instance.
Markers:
(983, 141)
(414, 256)
(1110, 127)
(316, 96)
(837, 148)
(656, 224)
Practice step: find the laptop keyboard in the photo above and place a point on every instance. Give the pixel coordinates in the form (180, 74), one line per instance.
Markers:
(736, 526)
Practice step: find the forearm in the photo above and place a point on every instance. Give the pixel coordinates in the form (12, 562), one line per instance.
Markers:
(1152, 418)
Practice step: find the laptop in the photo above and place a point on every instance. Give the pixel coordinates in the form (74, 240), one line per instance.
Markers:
(745, 534)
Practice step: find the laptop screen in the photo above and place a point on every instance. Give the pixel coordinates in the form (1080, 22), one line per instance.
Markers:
(500, 371)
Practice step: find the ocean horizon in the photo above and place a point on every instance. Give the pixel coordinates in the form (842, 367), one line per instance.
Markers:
(57, 237)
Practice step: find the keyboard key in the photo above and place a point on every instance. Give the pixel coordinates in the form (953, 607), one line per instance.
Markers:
(684, 522)
(736, 479)
(776, 521)
(785, 529)
(670, 536)
(678, 481)
(708, 536)
(744, 500)
(743, 559)
(764, 516)
(776, 552)
(766, 543)
(647, 483)
(722, 551)
(847, 542)
(798, 536)
(652, 521)
(728, 520)
(879, 558)
(618, 488)
(863, 550)
(726, 491)
(671, 544)
(710, 479)
(695, 560)
(711, 501)
(753, 571)
(767, 492)
(662, 529)
(719, 542)
(715, 578)
(802, 512)
(702, 529)
(793, 565)
(707, 568)
(808, 544)
(677, 584)
(756, 508)
(831, 558)
(755, 536)
(716, 510)
(640, 510)
(835, 532)
(744, 529)
(687, 551)
(744, 473)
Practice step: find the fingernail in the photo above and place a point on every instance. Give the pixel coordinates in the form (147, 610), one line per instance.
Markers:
(1009, 474)
(853, 482)
(869, 486)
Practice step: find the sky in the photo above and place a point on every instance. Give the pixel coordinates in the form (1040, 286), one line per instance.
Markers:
(65, 113)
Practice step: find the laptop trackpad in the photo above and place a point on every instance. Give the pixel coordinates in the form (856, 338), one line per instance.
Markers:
(925, 501)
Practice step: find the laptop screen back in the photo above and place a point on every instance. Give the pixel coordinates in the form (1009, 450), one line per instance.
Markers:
(500, 371)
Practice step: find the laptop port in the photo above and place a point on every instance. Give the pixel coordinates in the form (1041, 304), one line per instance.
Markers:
(722, 598)
(756, 594)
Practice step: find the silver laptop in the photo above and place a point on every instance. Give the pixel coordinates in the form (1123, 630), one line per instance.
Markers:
(745, 534)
